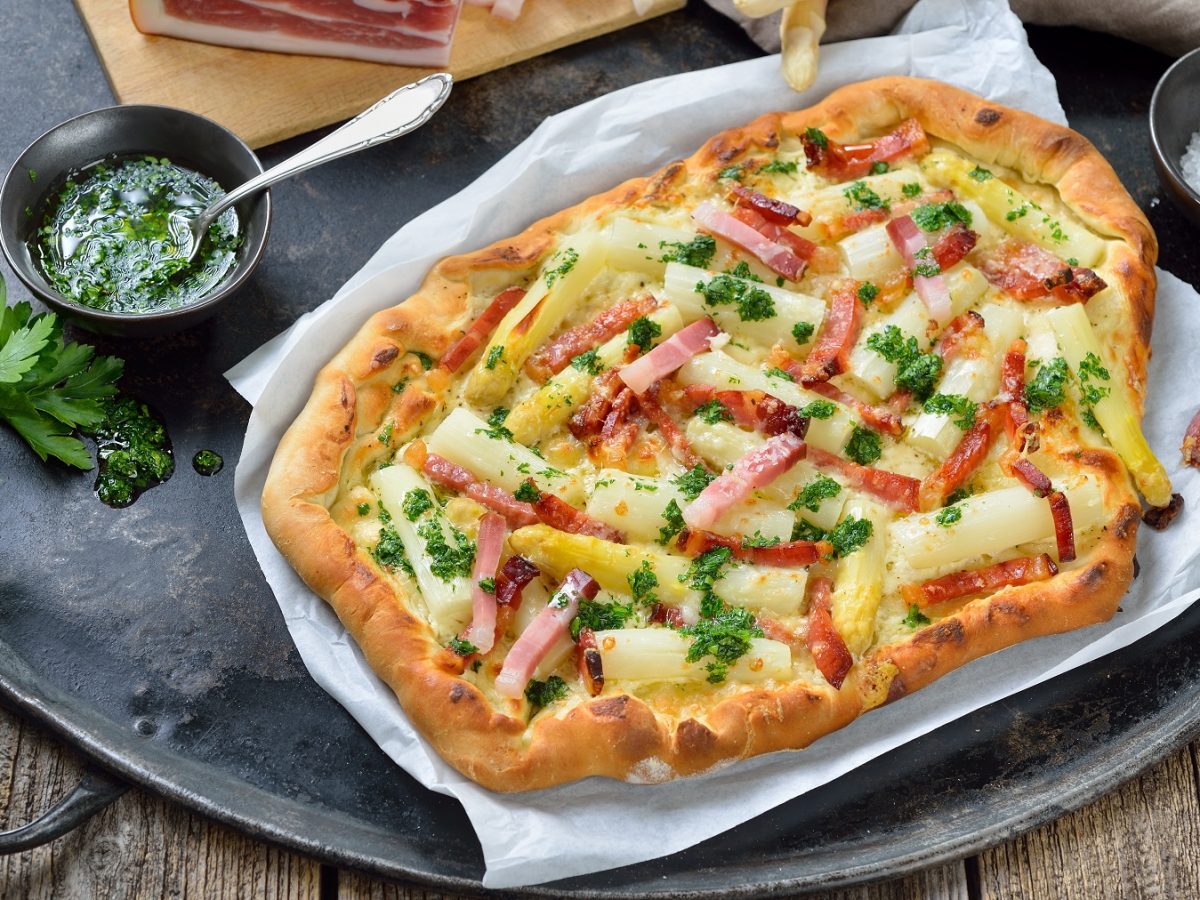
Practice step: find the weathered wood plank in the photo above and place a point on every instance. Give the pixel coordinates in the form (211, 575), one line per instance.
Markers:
(140, 847)
(1141, 841)
(943, 883)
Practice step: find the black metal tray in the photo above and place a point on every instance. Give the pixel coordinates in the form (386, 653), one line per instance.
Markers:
(148, 638)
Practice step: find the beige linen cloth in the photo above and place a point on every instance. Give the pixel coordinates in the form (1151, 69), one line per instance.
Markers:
(1172, 26)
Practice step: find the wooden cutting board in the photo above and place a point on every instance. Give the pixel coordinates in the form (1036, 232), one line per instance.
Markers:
(266, 97)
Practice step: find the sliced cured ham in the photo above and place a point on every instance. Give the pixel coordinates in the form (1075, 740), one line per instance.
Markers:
(400, 32)
(829, 650)
(669, 355)
(846, 161)
(777, 255)
(1024, 570)
(900, 492)
(552, 358)
(831, 354)
(481, 329)
(756, 469)
(918, 256)
(543, 633)
(441, 471)
(482, 631)
(1028, 272)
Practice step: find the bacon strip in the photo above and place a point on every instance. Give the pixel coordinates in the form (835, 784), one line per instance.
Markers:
(769, 208)
(845, 161)
(1012, 394)
(953, 244)
(1027, 272)
(543, 633)
(1032, 477)
(829, 651)
(963, 460)
(671, 616)
(653, 410)
(481, 328)
(1064, 526)
(881, 418)
(561, 515)
(956, 336)
(751, 409)
(669, 355)
(822, 259)
(831, 354)
(589, 662)
(758, 468)
(1191, 443)
(933, 290)
(776, 256)
(784, 555)
(482, 630)
(550, 359)
(516, 572)
(777, 631)
(1023, 570)
(900, 492)
(441, 471)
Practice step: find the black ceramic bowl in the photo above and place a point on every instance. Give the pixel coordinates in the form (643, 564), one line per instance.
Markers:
(1174, 117)
(184, 138)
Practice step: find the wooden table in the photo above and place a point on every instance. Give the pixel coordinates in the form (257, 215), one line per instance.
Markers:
(1142, 840)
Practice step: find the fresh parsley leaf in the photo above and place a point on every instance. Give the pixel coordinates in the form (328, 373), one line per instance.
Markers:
(802, 332)
(642, 582)
(588, 363)
(600, 616)
(849, 535)
(693, 481)
(957, 405)
(915, 618)
(860, 196)
(462, 647)
(543, 693)
(416, 503)
(712, 412)
(1048, 387)
(910, 189)
(915, 371)
(642, 332)
(24, 343)
(813, 493)
(697, 252)
(867, 292)
(864, 446)
(948, 515)
(527, 492)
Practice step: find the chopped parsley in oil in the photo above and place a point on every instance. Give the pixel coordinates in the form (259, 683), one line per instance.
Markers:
(779, 166)
(445, 561)
(814, 493)
(915, 618)
(926, 266)
(673, 516)
(494, 356)
(817, 136)
(642, 582)
(642, 333)
(979, 173)
(867, 292)
(207, 462)
(759, 540)
(731, 173)
(753, 304)
(496, 429)
(693, 481)
(849, 535)
(818, 409)
(424, 359)
(910, 189)
(960, 407)
(600, 616)
(879, 168)
(527, 493)
(697, 252)
(936, 216)
(133, 450)
(389, 551)
(916, 372)
(742, 270)
(776, 372)
(543, 693)
(385, 436)
(1048, 387)
(588, 363)
(724, 637)
(363, 508)
(712, 412)
(948, 515)
(416, 503)
(705, 569)
(804, 530)
(864, 446)
(802, 332)
(462, 647)
(861, 197)
(1091, 372)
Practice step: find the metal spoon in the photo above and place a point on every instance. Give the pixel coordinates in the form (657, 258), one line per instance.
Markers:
(398, 113)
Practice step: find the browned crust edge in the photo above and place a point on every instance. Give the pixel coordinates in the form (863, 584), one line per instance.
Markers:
(617, 735)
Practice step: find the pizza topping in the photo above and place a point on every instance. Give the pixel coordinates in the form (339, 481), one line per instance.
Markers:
(956, 585)
(776, 255)
(780, 554)
(516, 572)
(1027, 272)
(442, 471)
(1012, 394)
(927, 274)
(552, 358)
(543, 633)
(678, 443)
(756, 469)
(772, 210)
(881, 418)
(1160, 517)
(962, 332)
(488, 545)
(846, 161)
(561, 515)
(481, 328)
(900, 492)
(839, 331)
(829, 651)
(916, 372)
(589, 662)
(753, 409)
(669, 355)
(963, 461)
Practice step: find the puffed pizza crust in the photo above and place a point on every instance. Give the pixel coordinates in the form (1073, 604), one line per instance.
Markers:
(618, 735)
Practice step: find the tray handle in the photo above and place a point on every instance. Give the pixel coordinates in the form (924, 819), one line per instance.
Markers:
(96, 790)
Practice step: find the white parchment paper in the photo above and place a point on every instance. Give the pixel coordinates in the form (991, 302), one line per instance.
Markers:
(600, 824)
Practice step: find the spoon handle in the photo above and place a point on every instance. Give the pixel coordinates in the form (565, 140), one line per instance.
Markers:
(398, 113)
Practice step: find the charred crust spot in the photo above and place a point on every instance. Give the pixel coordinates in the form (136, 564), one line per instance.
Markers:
(987, 116)
(1125, 524)
(772, 140)
(1092, 578)
(384, 356)
(1008, 609)
(948, 632)
(896, 689)
(657, 187)
(611, 708)
(1160, 517)
(510, 256)
(692, 738)
(724, 152)
(457, 692)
